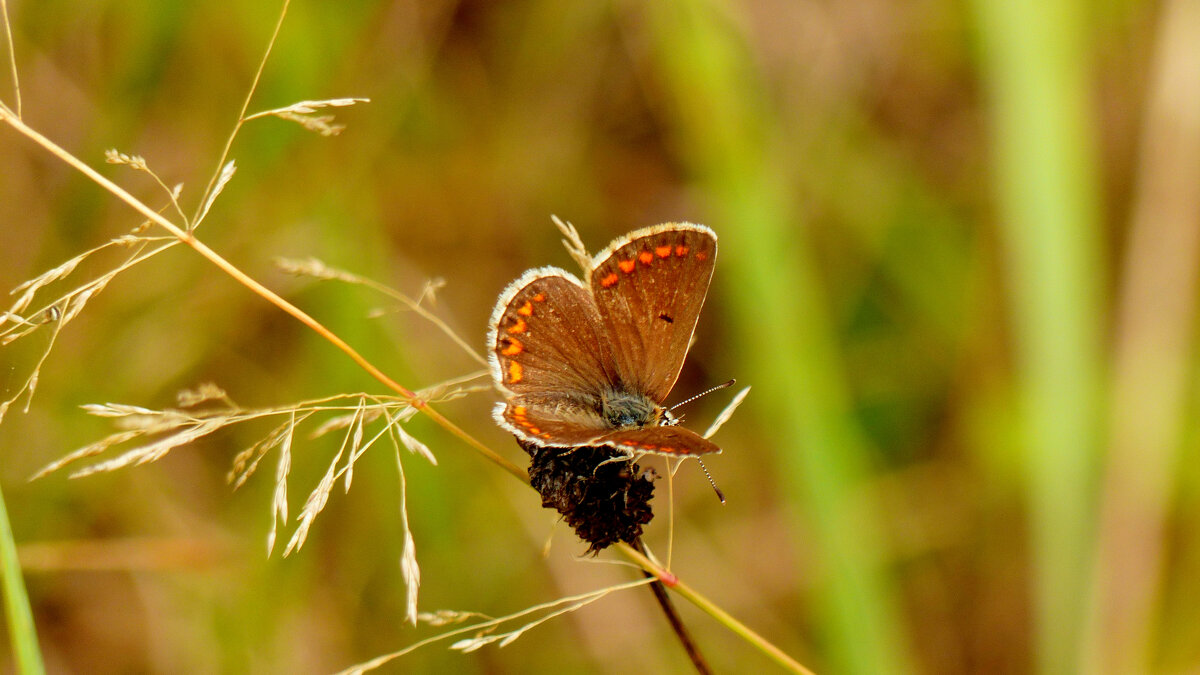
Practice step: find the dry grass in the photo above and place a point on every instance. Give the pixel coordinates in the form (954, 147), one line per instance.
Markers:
(484, 632)
(20, 321)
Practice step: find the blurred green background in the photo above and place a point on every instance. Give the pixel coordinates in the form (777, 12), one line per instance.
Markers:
(958, 254)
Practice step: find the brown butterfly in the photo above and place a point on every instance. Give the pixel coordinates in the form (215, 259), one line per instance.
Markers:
(588, 363)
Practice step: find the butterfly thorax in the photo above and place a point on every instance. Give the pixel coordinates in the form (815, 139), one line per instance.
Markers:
(628, 410)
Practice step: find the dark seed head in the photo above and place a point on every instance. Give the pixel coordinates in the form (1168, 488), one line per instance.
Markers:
(604, 502)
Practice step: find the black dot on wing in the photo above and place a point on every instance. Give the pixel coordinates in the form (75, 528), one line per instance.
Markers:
(666, 317)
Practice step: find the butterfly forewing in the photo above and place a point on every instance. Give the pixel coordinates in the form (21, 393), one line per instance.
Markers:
(649, 288)
(546, 338)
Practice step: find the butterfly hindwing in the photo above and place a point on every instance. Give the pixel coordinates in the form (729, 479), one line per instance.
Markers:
(671, 441)
(561, 423)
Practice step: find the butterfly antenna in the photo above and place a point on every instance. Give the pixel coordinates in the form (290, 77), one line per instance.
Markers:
(706, 392)
(713, 483)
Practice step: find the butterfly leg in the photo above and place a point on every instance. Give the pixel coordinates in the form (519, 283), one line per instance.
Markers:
(623, 455)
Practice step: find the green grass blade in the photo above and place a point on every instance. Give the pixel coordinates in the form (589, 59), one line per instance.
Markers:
(784, 329)
(16, 602)
(1034, 61)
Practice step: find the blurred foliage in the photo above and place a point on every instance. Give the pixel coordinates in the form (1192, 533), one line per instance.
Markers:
(929, 217)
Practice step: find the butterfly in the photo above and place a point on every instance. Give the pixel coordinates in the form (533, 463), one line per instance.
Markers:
(589, 362)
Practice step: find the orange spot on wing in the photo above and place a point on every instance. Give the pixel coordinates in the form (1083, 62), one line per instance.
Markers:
(514, 347)
(534, 430)
(519, 411)
(610, 280)
(515, 372)
(632, 444)
(681, 251)
(627, 265)
(701, 256)
(663, 251)
(526, 309)
(646, 257)
(518, 327)
(539, 297)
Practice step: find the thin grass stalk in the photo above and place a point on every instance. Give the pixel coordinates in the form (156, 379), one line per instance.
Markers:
(1035, 58)
(12, 56)
(262, 65)
(21, 629)
(782, 325)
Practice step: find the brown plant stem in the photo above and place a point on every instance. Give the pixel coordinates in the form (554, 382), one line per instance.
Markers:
(668, 608)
